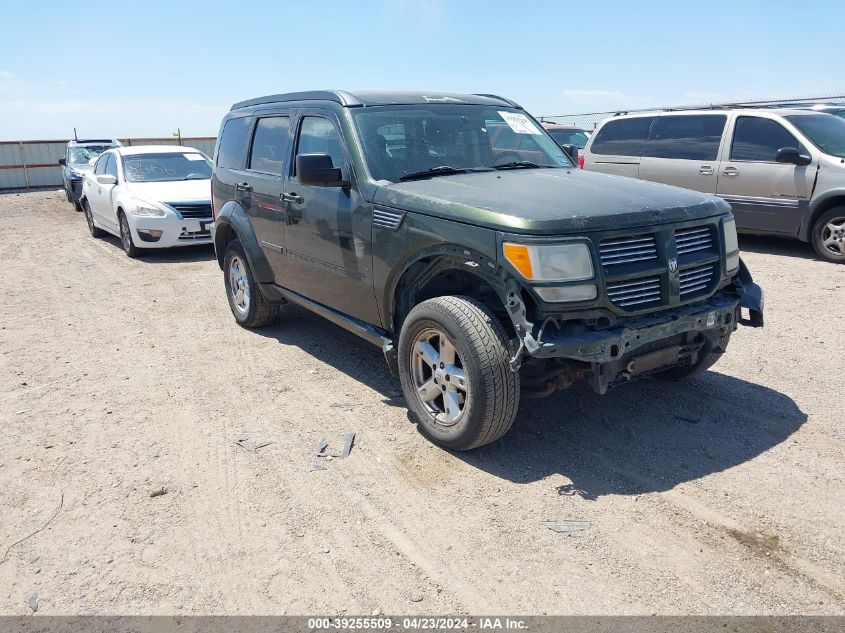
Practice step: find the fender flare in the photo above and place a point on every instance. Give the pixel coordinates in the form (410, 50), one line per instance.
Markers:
(233, 216)
(818, 206)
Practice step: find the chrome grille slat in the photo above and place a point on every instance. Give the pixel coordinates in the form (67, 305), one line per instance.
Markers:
(692, 240)
(625, 250)
(695, 279)
(634, 291)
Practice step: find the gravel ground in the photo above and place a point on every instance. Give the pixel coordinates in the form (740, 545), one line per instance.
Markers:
(120, 378)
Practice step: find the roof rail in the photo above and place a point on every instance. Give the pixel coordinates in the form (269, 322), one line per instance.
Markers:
(508, 101)
(338, 96)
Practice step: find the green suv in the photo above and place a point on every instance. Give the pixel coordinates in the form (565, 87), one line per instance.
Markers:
(453, 232)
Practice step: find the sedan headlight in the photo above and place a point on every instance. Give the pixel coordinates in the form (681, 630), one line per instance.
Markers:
(731, 245)
(147, 209)
(551, 262)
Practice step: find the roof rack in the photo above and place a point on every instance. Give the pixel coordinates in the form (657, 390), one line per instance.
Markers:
(338, 96)
(508, 101)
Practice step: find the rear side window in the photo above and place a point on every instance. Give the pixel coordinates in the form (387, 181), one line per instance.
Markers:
(623, 137)
(232, 142)
(758, 139)
(691, 137)
(269, 145)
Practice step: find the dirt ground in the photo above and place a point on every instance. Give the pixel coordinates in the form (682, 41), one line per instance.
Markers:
(120, 377)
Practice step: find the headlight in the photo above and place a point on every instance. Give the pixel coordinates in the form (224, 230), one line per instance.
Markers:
(731, 245)
(147, 209)
(551, 262)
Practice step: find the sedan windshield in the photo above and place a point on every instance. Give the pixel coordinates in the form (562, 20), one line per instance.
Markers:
(84, 153)
(825, 131)
(166, 167)
(441, 139)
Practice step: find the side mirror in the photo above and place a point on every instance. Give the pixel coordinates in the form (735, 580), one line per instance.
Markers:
(792, 156)
(317, 170)
(106, 179)
(62, 162)
(571, 151)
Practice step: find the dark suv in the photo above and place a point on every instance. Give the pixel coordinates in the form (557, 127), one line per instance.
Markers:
(480, 270)
(77, 162)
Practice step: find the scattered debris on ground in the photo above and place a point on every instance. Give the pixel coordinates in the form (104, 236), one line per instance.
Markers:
(158, 492)
(559, 525)
(33, 602)
(41, 529)
(251, 446)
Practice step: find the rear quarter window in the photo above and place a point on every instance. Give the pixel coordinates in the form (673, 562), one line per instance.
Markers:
(230, 151)
(622, 137)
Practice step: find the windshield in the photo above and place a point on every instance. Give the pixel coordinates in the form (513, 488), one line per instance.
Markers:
(578, 138)
(403, 140)
(166, 166)
(825, 131)
(84, 153)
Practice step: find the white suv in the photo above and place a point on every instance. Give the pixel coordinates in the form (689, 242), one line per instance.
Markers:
(153, 196)
(781, 170)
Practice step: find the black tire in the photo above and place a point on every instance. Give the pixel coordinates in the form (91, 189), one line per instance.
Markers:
(67, 194)
(126, 237)
(491, 401)
(257, 311)
(77, 205)
(704, 362)
(830, 226)
(94, 230)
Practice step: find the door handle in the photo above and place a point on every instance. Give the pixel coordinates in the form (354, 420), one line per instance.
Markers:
(730, 171)
(243, 186)
(292, 197)
(706, 170)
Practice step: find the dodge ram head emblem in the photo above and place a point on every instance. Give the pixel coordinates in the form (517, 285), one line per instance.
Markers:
(673, 265)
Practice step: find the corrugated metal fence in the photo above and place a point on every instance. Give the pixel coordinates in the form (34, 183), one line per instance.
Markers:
(34, 164)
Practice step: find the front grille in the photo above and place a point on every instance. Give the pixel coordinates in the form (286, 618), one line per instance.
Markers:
(193, 211)
(634, 292)
(200, 235)
(691, 240)
(694, 280)
(616, 251)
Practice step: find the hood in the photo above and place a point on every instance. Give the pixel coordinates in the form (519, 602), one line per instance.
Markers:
(175, 191)
(549, 200)
(81, 168)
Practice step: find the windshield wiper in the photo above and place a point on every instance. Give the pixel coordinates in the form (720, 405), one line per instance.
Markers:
(521, 164)
(442, 170)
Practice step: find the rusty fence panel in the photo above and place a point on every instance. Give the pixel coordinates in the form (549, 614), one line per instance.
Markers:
(35, 164)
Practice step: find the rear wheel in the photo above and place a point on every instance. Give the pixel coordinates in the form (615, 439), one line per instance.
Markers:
(126, 237)
(89, 218)
(249, 307)
(455, 373)
(829, 235)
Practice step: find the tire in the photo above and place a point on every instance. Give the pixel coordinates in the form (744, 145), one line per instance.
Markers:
(248, 305)
(67, 195)
(95, 231)
(126, 237)
(484, 409)
(705, 361)
(77, 205)
(828, 235)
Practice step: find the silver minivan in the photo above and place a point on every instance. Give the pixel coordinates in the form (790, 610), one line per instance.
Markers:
(781, 170)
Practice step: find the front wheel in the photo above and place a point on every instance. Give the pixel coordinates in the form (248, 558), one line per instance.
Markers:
(248, 305)
(829, 235)
(454, 368)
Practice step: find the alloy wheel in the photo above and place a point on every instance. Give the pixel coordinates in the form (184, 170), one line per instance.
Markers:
(239, 285)
(438, 375)
(833, 236)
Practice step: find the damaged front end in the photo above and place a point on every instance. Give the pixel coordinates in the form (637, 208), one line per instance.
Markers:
(557, 350)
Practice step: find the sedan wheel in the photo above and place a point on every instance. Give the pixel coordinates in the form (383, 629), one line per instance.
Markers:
(126, 238)
(829, 235)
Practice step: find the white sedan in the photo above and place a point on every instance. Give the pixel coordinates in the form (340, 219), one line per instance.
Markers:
(152, 196)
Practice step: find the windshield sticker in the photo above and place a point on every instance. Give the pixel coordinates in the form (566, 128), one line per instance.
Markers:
(194, 156)
(519, 123)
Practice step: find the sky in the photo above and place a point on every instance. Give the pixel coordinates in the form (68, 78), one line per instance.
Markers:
(134, 69)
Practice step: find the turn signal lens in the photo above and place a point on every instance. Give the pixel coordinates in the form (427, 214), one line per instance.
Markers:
(517, 255)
